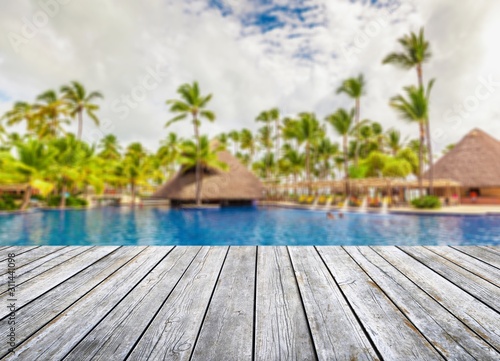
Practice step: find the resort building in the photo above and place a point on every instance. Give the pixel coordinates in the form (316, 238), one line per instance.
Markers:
(236, 186)
(474, 163)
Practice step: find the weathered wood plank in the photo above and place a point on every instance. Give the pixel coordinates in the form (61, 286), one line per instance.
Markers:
(467, 281)
(26, 258)
(58, 338)
(43, 264)
(115, 336)
(227, 331)
(449, 335)
(481, 254)
(17, 250)
(494, 249)
(393, 335)
(172, 334)
(481, 269)
(281, 329)
(38, 314)
(476, 315)
(336, 333)
(35, 287)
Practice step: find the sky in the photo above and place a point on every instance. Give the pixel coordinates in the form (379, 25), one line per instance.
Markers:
(251, 55)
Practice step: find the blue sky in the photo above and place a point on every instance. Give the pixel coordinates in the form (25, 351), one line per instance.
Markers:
(252, 55)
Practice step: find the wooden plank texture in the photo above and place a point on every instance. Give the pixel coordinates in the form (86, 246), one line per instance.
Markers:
(400, 341)
(335, 330)
(227, 331)
(446, 333)
(476, 315)
(173, 332)
(116, 335)
(35, 315)
(281, 329)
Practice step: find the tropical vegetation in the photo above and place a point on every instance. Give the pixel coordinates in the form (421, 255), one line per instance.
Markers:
(63, 169)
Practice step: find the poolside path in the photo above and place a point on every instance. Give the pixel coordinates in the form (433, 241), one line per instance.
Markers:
(253, 303)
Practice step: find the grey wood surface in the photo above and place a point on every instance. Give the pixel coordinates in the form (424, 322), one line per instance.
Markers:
(281, 328)
(254, 303)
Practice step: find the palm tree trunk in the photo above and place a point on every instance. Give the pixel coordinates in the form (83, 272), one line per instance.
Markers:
(421, 159)
(27, 197)
(64, 189)
(132, 190)
(346, 167)
(428, 134)
(80, 124)
(357, 115)
(431, 157)
(198, 168)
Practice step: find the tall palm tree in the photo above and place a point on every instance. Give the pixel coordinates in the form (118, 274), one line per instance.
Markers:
(309, 133)
(69, 158)
(292, 162)
(79, 101)
(415, 108)
(266, 140)
(136, 167)
(110, 148)
(169, 151)
(203, 156)
(23, 111)
(194, 104)
(52, 112)
(416, 52)
(393, 139)
(342, 123)
(235, 138)
(355, 89)
(325, 151)
(248, 143)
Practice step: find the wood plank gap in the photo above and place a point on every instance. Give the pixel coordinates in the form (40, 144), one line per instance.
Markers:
(474, 254)
(161, 306)
(415, 327)
(302, 303)
(459, 280)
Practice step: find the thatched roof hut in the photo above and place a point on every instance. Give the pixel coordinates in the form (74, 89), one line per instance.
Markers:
(237, 184)
(474, 162)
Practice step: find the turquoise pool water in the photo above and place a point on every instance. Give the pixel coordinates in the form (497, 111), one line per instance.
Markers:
(241, 226)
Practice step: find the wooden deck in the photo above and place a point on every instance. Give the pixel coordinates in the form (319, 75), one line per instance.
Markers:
(254, 303)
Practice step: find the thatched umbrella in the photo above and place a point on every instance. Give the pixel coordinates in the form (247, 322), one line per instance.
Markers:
(237, 184)
(474, 162)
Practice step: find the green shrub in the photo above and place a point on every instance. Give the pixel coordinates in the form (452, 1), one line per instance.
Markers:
(7, 203)
(427, 202)
(71, 201)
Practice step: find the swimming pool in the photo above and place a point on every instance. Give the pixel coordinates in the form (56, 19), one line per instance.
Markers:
(240, 226)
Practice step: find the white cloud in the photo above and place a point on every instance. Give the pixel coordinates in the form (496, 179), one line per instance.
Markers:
(112, 46)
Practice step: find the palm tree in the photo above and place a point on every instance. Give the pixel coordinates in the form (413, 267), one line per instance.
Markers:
(202, 156)
(110, 148)
(393, 138)
(248, 143)
(34, 160)
(23, 111)
(415, 108)
(309, 132)
(51, 112)
(79, 101)
(342, 123)
(355, 89)
(69, 158)
(136, 167)
(235, 138)
(266, 140)
(416, 52)
(194, 104)
(293, 162)
(168, 153)
(326, 150)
